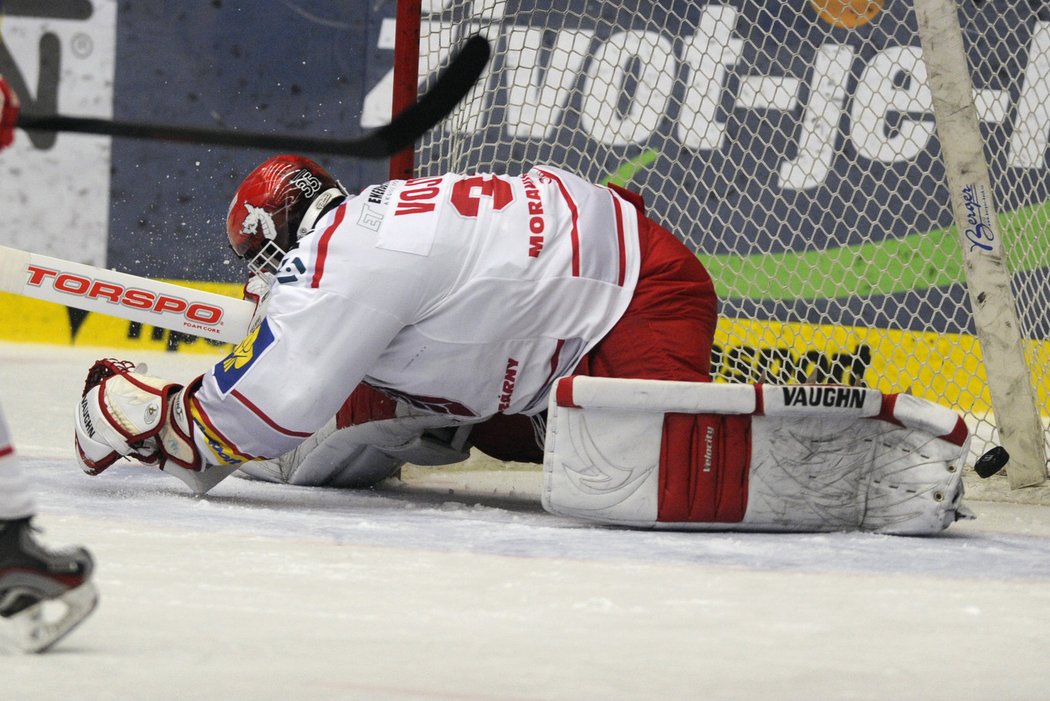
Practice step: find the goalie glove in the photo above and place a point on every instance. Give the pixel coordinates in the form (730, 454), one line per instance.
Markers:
(125, 412)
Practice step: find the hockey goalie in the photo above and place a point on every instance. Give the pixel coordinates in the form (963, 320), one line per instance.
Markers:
(648, 453)
(421, 319)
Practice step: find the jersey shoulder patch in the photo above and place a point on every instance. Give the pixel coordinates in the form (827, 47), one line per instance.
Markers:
(229, 371)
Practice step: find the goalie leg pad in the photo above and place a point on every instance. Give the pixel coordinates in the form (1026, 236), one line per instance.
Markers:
(331, 457)
(643, 468)
(699, 456)
(860, 474)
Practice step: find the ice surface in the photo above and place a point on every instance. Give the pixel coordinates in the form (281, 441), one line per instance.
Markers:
(456, 585)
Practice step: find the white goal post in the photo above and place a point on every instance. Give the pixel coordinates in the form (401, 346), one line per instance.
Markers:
(808, 152)
(981, 241)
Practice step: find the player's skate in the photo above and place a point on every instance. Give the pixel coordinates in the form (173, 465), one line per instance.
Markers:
(44, 594)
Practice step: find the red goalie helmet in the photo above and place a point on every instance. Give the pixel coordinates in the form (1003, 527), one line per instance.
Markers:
(277, 203)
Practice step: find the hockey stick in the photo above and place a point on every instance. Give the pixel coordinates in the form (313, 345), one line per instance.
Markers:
(451, 86)
(130, 297)
(147, 301)
(134, 298)
(152, 302)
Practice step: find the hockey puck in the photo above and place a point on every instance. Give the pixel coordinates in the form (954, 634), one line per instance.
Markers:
(991, 462)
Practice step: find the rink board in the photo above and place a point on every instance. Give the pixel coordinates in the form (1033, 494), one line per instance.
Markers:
(947, 368)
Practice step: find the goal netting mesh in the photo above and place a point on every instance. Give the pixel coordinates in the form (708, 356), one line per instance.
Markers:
(792, 145)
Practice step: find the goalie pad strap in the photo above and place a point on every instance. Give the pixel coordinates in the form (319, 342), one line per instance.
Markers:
(578, 392)
(704, 461)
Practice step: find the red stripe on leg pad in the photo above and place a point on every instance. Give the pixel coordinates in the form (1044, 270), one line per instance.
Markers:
(959, 434)
(889, 406)
(563, 392)
(704, 465)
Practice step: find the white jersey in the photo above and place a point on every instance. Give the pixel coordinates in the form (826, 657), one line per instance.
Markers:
(465, 295)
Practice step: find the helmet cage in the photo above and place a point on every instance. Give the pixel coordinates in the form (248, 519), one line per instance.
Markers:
(257, 241)
(266, 260)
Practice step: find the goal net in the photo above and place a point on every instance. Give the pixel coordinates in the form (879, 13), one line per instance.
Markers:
(792, 144)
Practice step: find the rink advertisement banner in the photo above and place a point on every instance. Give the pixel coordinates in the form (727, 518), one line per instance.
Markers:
(939, 367)
(793, 129)
(945, 368)
(297, 69)
(776, 146)
(158, 209)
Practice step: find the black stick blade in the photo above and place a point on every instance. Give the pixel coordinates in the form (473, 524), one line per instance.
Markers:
(451, 86)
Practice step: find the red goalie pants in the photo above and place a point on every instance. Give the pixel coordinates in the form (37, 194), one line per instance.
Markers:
(665, 334)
